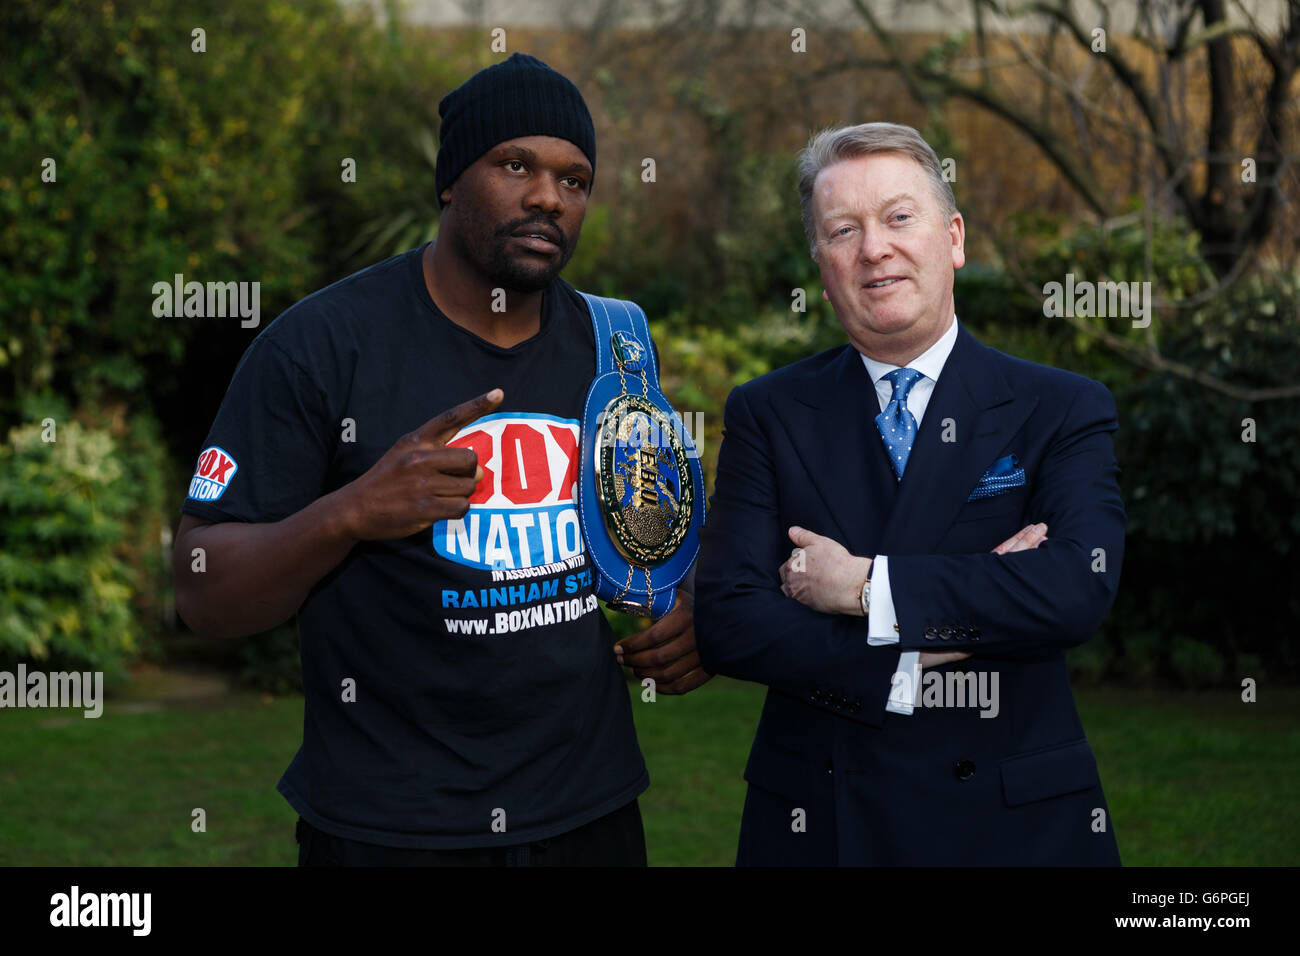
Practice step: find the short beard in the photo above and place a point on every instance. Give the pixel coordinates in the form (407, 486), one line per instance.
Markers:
(488, 248)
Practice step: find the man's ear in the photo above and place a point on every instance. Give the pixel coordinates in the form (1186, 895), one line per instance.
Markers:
(957, 234)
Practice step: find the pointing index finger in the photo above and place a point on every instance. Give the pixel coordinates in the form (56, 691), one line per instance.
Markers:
(444, 425)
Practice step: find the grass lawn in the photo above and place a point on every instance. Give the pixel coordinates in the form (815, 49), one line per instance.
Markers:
(1198, 779)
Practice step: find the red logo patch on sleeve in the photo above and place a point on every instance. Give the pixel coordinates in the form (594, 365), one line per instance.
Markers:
(212, 474)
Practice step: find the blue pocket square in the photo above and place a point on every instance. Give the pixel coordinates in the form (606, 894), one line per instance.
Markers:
(1003, 475)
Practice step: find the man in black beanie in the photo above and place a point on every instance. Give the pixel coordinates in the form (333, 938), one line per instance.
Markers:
(501, 121)
(464, 704)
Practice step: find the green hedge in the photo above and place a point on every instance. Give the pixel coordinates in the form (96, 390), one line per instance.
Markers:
(80, 571)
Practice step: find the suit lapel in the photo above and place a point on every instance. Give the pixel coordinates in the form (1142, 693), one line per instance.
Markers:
(832, 423)
(974, 407)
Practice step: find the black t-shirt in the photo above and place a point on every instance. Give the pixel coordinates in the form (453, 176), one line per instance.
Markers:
(462, 679)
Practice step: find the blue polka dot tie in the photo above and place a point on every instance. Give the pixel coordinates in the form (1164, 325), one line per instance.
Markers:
(897, 425)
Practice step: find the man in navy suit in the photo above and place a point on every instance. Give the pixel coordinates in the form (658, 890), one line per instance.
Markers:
(919, 708)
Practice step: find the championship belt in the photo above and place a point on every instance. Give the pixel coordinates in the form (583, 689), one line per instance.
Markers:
(640, 484)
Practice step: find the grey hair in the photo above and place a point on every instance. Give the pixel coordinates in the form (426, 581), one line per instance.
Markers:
(847, 142)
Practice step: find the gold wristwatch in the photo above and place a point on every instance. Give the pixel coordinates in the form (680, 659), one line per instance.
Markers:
(865, 597)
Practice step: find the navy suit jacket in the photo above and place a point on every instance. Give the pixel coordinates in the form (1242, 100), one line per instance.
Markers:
(943, 785)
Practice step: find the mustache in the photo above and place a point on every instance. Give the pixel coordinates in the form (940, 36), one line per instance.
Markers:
(510, 228)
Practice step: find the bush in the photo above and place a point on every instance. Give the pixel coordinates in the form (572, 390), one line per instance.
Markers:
(1196, 663)
(169, 160)
(270, 661)
(1212, 519)
(1143, 655)
(166, 160)
(66, 590)
(1090, 661)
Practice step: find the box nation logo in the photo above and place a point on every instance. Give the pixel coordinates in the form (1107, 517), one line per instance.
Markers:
(524, 512)
(212, 474)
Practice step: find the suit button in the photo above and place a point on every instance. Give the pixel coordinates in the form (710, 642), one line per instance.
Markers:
(945, 633)
(975, 634)
(965, 769)
(830, 766)
(930, 633)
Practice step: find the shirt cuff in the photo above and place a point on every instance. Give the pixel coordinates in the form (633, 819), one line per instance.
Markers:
(882, 629)
(904, 684)
(882, 623)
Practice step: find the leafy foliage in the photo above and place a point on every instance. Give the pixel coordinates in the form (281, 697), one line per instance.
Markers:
(68, 587)
(131, 158)
(1210, 560)
(168, 161)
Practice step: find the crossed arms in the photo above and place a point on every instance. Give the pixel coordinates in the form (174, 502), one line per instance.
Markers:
(1030, 602)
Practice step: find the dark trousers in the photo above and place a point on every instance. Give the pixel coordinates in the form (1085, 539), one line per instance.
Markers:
(616, 839)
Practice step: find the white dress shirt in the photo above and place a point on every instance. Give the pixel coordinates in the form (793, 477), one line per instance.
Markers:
(882, 623)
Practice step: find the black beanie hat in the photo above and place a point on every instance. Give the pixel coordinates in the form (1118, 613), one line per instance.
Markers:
(521, 96)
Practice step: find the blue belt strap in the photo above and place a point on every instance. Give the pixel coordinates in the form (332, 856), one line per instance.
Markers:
(619, 315)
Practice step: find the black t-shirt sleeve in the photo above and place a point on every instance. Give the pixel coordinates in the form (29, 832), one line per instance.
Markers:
(270, 446)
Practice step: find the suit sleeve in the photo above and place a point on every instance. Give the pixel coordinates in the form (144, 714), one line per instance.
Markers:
(1047, 599)
(744, 626)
